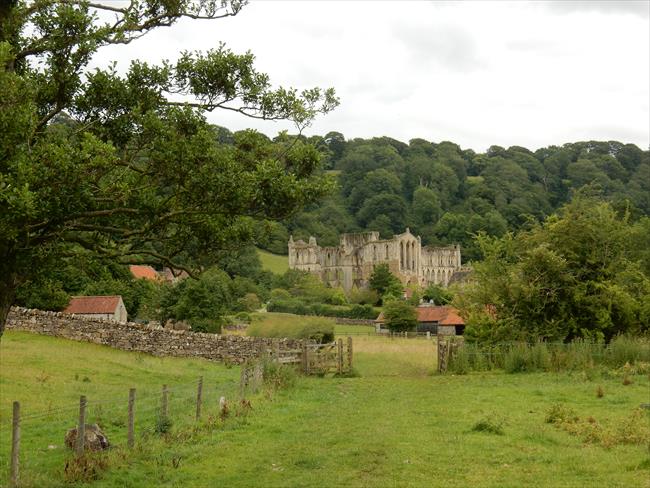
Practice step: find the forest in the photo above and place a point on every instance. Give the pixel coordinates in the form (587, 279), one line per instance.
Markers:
(448, 194)
(445, 194)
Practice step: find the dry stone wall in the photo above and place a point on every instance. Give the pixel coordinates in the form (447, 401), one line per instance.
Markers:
(154, 340)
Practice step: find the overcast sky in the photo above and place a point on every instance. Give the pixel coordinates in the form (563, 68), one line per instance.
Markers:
(476, 73)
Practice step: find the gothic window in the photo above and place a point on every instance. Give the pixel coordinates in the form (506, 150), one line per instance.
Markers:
(387, 252)
(401, 255)
(374, 253)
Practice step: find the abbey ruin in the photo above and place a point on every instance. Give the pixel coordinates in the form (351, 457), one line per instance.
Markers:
(351, 262)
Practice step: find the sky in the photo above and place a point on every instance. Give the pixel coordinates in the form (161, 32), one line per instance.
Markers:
(532, 74)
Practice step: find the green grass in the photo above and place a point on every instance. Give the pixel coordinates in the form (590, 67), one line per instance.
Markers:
(274, 320)
(273, 262)
(47, 375)
(395, 424)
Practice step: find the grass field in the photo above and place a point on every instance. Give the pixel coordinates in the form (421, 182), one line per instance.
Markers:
(274, 318)
(273, 262)
(395, 424)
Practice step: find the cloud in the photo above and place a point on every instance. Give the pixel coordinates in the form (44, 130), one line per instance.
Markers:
(634, 7)
(447, 45)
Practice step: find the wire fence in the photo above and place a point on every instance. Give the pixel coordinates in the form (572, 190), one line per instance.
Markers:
(36, 445)
(461, 357)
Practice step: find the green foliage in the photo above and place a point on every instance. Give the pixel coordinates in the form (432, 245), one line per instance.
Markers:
(249, 302)
(400, 316)
(363, 296)
(279, 376)
(491, 424)
(627, 354)
(319, 330)
(437, 293)
(299, 307)
(43, 294)
(202, 302)
(108, 160)
(575, 275)
(384, 282)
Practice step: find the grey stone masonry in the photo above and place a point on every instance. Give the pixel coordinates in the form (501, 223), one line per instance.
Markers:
(154, 340)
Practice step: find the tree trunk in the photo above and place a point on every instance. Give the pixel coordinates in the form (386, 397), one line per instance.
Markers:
(7, 296)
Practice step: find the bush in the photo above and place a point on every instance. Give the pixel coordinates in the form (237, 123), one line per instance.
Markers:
(208, 326)
(400, 316)
(299, 307)
(491, 424)
(278, 376)
(243, 317)
(363, 296)
(249, 302)
(559, 413)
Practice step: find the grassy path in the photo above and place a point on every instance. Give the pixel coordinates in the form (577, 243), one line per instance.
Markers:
(397, 426)
(394, 425)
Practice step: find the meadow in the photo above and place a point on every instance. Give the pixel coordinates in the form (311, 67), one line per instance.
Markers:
(273, 262)
(395, 423)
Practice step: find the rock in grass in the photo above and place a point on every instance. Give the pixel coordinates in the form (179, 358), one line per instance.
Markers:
(94, 438)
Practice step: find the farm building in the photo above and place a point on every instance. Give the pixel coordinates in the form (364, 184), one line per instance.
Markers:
(98, 307)
(439, 320)
(145, 272)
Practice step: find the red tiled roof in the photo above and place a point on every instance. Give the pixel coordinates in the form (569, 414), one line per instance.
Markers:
(144, 271)
(100, 304)
(443, 315)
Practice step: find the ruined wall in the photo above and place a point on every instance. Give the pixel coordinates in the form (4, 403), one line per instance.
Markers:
(154, 340)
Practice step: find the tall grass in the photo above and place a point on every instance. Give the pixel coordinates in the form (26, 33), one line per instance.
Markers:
(541, 356)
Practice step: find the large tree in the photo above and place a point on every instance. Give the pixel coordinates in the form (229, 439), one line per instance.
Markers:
(125, 165)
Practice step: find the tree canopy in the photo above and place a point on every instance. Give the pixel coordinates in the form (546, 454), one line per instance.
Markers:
(582, 273)
(123, 164)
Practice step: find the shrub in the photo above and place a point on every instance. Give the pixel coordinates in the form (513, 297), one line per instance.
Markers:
(363, 296)
(243, 317)
(278, 376)
(209, 326)
(559, 413)
(491, 424)
(400, 316)
(249, 302)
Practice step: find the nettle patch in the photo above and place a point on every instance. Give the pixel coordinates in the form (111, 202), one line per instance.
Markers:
(633, 429)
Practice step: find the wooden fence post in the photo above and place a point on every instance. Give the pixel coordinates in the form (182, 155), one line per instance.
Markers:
(305, 358)
(199, 398)
(81, 428)
(164, 410)
(130, 440)
(277, 351)
(349, 353)
(428, 335)
(339, 356)
(243, 379)
(15, 444)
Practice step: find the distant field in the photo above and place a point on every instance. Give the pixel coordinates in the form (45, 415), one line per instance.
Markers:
(273, 262)
(273, 318)
(395, 424)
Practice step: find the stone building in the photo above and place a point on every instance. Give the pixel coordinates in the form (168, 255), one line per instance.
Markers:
(98, 307)
(351, 262)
